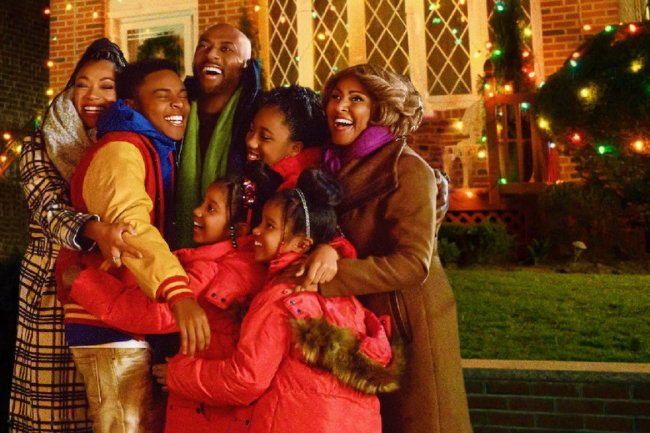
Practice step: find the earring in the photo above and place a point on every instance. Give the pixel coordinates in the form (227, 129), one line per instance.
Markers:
(233, 237)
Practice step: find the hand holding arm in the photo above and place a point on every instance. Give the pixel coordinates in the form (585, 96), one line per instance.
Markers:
(319, 267)
(110, 240)
(402, 240)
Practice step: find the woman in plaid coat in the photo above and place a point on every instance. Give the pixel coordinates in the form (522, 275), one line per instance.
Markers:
(46, 394)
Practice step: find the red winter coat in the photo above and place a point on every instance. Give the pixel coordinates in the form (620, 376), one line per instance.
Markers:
(224, 281)
(291, 167)
(283, 372)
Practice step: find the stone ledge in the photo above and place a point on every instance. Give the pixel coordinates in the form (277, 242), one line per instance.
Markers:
(556, 370)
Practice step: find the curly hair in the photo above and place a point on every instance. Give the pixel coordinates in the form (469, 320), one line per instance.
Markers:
(398, 105)
(303, 113)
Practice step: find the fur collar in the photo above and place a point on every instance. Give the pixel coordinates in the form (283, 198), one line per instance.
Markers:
(337, 350)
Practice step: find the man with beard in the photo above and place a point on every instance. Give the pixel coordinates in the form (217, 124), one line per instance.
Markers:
(223, 89)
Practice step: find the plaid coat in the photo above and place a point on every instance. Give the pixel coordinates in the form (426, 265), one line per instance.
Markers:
(46, 393)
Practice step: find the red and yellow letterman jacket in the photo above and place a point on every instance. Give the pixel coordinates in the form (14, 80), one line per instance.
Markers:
(120, 179)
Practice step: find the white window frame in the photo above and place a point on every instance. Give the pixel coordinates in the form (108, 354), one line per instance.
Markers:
(136, 14)
(415, 15)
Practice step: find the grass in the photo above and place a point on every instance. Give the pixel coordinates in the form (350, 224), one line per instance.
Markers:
(530, 314)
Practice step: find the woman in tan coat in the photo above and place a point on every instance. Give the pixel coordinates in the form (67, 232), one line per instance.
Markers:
(389, 214)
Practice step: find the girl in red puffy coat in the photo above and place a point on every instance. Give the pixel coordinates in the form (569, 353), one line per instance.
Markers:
(222, 274)
(303, 363)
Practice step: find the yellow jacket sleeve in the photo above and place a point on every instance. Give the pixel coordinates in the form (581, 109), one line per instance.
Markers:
(114, 188)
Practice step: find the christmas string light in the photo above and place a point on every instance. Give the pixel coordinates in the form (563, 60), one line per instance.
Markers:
(576, 138)
(636, 65)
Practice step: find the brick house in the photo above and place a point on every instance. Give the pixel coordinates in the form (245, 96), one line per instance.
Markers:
(504, 397)
(439, 44)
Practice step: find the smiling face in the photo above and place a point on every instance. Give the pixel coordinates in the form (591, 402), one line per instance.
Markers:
(349, 110)
(162, 99)
(211, 219)
(219, 59)
(94, 90)
(268, 238)
(269, 137)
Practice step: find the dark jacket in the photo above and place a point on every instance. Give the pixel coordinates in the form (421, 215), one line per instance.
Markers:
(251, 88)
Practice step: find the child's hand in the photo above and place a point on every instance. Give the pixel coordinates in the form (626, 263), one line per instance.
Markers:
(321, 267)
(193, 325)
(160, 373)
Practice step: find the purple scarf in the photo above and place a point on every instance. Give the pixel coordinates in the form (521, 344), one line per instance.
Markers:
(370, 139)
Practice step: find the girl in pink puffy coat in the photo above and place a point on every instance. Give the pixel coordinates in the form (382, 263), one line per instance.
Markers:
(303, 363)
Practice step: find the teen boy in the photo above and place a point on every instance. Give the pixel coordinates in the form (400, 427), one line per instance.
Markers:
(128, 176)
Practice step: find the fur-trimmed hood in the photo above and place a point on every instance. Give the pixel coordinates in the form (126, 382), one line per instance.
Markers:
(349, 358)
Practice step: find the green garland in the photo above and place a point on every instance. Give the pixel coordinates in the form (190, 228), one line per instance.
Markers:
(507, 22)
(163, 47)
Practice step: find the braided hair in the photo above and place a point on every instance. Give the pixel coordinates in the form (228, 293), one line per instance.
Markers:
(100, 49)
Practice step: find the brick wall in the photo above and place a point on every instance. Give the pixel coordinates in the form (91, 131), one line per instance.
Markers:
(23, 71)
(228, 11)
(71, 31)
(563, 28)
(558, 397)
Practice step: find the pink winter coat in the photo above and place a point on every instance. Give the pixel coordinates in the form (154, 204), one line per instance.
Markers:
(303, 363)
(224, 281)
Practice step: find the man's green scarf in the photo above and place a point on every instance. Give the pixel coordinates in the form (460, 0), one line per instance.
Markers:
(195, 175)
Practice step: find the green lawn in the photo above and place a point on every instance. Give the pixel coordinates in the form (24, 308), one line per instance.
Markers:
(536, 315)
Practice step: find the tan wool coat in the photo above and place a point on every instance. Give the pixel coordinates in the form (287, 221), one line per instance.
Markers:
(388, 213)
